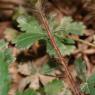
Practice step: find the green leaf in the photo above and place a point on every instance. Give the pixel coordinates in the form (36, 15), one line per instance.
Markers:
(76, 28)
(65, 49)
(50, 48)
(80, 67)
(4, 76)
(2, 55)
(32, 29)
(5, 58)
(27, 92)
(68, 41)
(46, 69)
(52, 22)
(68, 26)
(49, 67)
(8, 56)
(25, 40)
(89, 86)
(88, 89)
(91, 79)
(3, 44)
(29, 24)
(54, 87)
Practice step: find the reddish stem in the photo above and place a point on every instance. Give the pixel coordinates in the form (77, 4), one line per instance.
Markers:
(57, 50)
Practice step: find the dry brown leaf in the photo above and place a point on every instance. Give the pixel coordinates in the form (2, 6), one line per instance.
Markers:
(39, 62)
(25, 69)
(24, 82)
(35, 82)
(45, 79)
(10, 34)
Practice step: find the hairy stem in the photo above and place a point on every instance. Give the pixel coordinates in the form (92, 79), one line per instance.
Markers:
(57, 50)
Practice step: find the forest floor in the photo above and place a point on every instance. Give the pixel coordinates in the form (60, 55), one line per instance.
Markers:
(79, 69)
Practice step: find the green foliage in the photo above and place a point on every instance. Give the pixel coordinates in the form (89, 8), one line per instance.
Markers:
(80, 67)
(54, 87)
(27, 92)
(8, 56)
(52, 22)
(4, 76)
(25, 40)
(48, 68)
(89, 86)
(5, 59)
(32, 32)
(50, 49)
(6, 53)
(29, 24)
(68, 26)
(65, 49)
(3, 44)
(68, 41)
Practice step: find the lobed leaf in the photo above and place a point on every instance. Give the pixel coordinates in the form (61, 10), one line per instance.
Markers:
(29, 24)
(91, 79)
(80, 68)
(68, 26)
(65, 49)
(54, 87)
(32, 29)
(49, 67)
(89, 86)
(25, 40)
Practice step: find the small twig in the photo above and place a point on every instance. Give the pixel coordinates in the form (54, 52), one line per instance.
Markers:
(15, 4)
(14, 8)
(10, 3)
(61, 59)
(82, 41)
(89, 51)
(86, 52)
(89, 67)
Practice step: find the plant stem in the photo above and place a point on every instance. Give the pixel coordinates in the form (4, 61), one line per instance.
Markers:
(57, 50)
